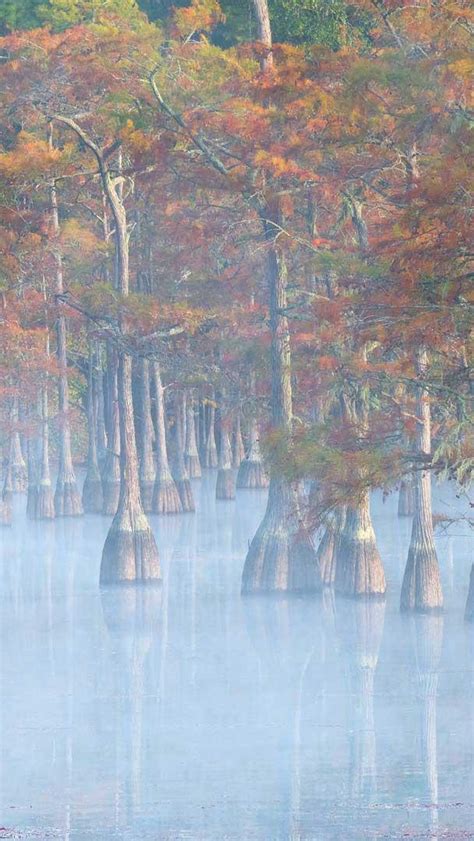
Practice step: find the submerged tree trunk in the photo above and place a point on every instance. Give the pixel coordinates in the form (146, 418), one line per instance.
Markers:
(238, 449)
(92, 494)
(329, 547)
(191, 454)
(166, 499)
(359, 569)
(147, 465)
(130, 553)
(45, 498)
(17, 465)
(67, 499)
(225, 485)
(406, 498)
(111, 465)
(210, 453)
(179, 472)
(421, 588)
(251, 471)
(469, 612)
(32, 466)
(281, 556)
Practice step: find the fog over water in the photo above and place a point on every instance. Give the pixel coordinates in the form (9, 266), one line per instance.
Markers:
(187, 712)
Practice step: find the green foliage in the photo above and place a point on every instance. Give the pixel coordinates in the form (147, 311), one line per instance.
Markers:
(19, 14)
(61, 14)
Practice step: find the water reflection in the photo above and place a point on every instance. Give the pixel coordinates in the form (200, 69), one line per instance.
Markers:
(187, 712)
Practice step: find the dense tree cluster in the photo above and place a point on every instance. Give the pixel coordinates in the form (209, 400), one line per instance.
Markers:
(238, 238)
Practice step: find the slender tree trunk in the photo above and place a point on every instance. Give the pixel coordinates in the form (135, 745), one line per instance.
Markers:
(281, 556)
(130, 554)
(191, 454)
(251, 471)
(359, 569)
(264, 32)
(147, 465)
(99, 408)
(406, 498)
(225, 485)
(179, 472)
(45, 499)
(111, 466)
(17, 465)
(92, 493)
(238, 449)
(469, 612)
(6, 501)
(421, 588)
(210, 457)
(166, 499)
(32, 466)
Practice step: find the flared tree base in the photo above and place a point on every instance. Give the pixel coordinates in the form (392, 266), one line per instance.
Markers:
(111, 495)
(92, 494)
(130, 555)
(210, 460)
(193, 466)
(469, 612)
(252, 474)
(406, 499)
(67, 500)
(421, 588)
(359, 569)
(185, 491)
(19, 478)
(45, 502)
(5, 512)
(281, 558)
(166, 498)
(146, 493)
(225, 485)
(325, 556)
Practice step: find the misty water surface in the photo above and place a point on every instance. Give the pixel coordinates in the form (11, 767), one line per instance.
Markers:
(187, 712)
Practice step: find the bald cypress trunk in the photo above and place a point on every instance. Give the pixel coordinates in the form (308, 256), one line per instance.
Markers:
(252, 473)
(406, 498)
(166, 498)
(67, 499)
(191, 454)
(45, 499)
(421, 588)
(17, 465)
(225, 485)
(92, 494)
(179, 472)
(329, 547)
(147, 465)
(32, 466)
(111, 465)
(210, 451)
(238, 449)
(130, 553)
(281, 556)
(359, 569)
(469, 612)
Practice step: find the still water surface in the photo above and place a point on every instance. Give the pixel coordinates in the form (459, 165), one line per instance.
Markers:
(186, 712)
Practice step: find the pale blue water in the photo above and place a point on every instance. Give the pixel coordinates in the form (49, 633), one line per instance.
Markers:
(187, 712)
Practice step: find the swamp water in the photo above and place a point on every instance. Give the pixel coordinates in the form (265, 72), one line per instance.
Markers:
(187, 712)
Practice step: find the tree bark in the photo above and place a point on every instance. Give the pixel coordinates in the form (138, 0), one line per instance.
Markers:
(329, 547)
(359, 569)
(421, 588)
(32, 469)
(166, 498)
(17, 465)
(45, 498)
(238, 449)
(147, 465)
(262, 14)
(469, 612)
(252, 473)
(191, 454)
(111, 466)
(225, 485)
(210, 455)
(179, 472)
(281, 556)
(92, 494)
(67, 500)
(406, 498)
